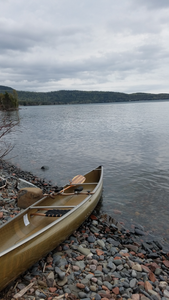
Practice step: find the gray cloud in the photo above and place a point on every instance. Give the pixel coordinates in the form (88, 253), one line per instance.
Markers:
(89, 45)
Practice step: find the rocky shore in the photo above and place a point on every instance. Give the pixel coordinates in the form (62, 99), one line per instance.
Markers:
(101, 260)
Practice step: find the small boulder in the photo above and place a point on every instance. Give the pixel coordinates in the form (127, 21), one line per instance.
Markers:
(28, 196)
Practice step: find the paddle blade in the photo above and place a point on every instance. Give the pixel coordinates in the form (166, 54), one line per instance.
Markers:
(78, 179)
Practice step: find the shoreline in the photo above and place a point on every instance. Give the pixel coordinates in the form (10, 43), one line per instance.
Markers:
(101, 259)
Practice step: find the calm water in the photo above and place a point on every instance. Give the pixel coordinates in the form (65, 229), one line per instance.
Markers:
(130, 140)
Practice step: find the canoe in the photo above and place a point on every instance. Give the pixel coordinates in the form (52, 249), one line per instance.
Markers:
(44, 225)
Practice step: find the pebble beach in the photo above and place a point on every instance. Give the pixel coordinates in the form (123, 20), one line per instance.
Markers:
(101, 260)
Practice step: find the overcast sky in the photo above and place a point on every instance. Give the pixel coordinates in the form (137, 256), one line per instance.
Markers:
(105, 45)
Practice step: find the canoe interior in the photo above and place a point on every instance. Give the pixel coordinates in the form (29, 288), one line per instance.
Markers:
(26, 224)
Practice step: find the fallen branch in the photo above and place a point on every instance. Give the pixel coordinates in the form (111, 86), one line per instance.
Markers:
(23, 291)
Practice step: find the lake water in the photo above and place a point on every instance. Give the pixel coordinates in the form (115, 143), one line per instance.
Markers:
(131, 141)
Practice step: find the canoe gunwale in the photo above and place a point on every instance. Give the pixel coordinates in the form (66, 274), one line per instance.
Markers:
(72, 210)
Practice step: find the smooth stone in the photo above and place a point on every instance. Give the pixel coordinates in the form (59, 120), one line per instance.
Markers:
(117, 262)
(62, 262)
(91, 239)
(139, 232)
(133, 282)
(163, 284)
(85, 281)
(92, 267)
(89, 276)
(166, 293)
(60, 273)
(101, 243)
(151, 292)
(62, 282)
(101, 257)
(121, 290)
(80, 264)
(82, 295)
(158, 271)
(94, 229)
(56, 259)
(111, 266)
(108, 285)
(93, 288)
(126, 285)
(97, 297)
(120, 267)
(137, 267)
(134, 273)
(95, 223)
(98, 273)
(83, 250)
(132, 247)
(116, 274)
(66, 290)
(86, 289)
(71, 278)
(113, 242)
(74, 289)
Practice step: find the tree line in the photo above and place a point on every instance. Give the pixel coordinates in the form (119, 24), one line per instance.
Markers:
(80, 97)
(83, 97)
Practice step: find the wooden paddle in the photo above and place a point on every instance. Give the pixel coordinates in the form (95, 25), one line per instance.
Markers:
(78, 179)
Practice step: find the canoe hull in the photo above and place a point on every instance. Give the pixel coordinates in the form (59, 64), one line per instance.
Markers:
(24, 256)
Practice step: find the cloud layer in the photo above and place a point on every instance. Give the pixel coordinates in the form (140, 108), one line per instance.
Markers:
(86, 45)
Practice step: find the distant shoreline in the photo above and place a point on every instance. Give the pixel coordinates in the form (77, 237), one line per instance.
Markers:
(82, 97)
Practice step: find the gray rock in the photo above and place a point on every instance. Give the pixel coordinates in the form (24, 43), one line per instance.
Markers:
(113, 242)
(85, 281)
(91, 239)
(71, 278)
(125, 284)
(62, 262)
(134, 273)
(88, 276)
(80, 264)
(94, 229)
(83, 250)
(62, 282)
(111, 266)
(116, 274)
(117, 262)
(74, 290)
(93, 288)
(60, 273)
(101, 243)
(133, 282)
(97, 297)
(120, 267)
(98, 273)
(86, 289)
(158, 271)
(108, 285)
(82, 295)
(56, 259)
(66, 290)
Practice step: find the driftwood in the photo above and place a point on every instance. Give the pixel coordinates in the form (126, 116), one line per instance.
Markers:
(23, 291)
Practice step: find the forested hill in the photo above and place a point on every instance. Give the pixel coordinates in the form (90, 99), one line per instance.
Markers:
(80, 97)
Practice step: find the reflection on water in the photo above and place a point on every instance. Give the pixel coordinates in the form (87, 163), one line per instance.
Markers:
(130, 140)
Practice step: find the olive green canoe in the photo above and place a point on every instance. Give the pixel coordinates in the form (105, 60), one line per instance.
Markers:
(44, 225)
